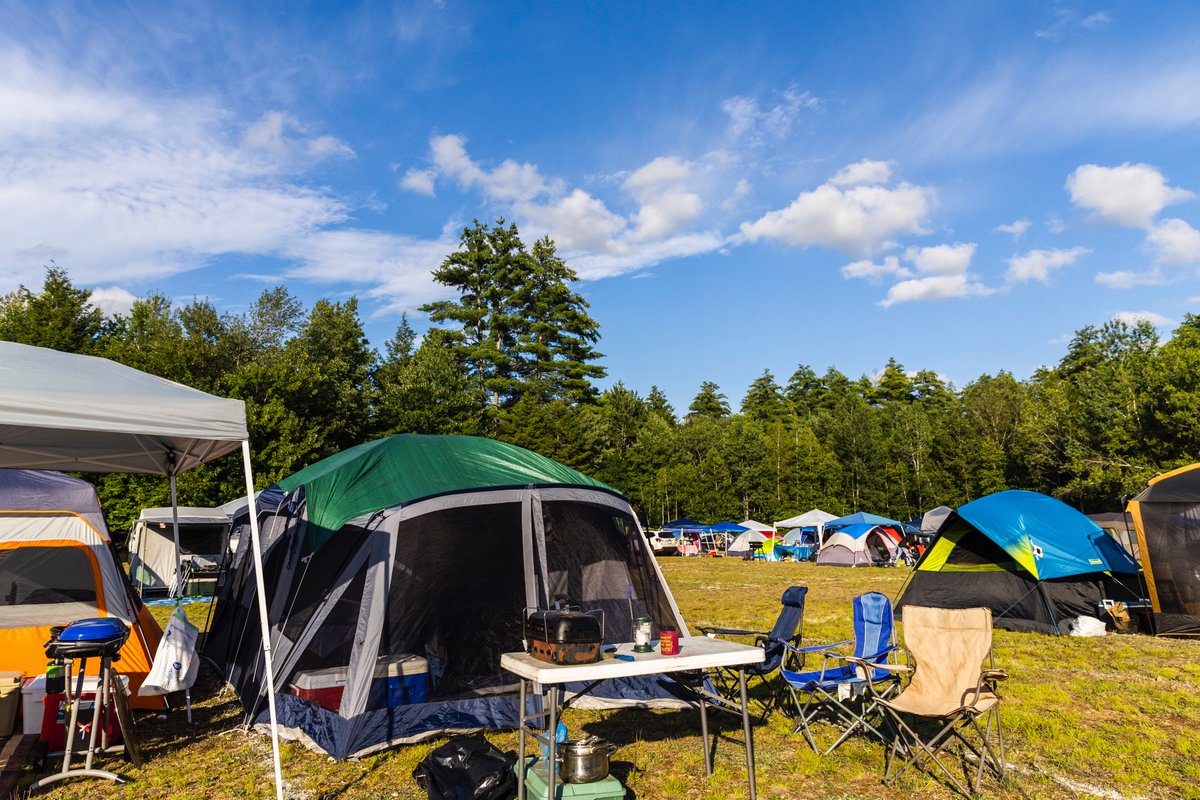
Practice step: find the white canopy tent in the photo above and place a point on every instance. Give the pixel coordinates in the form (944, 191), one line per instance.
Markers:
(65, 411)
(809, 519)
(757, 526)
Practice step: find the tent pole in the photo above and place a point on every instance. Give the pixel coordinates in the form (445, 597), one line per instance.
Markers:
(262, 616)
(177, 588)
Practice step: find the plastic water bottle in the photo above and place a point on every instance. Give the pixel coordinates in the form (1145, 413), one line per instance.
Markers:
(560, 736)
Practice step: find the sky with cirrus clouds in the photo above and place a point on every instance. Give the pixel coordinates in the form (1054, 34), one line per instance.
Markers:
(957, 186)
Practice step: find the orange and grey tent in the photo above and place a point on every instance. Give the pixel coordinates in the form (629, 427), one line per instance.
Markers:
(57, 565)
(1166, 518)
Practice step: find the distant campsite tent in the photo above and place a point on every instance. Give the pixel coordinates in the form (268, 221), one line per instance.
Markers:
(1119, 526)
(815, 518)
(861, 518)
(203, 534)
(678, 527)
(745, 543)
(932, 519)
(425, 550)
(859, 545)
(1033, 560)
(761, 527)
(57, 565)
(1166, 517)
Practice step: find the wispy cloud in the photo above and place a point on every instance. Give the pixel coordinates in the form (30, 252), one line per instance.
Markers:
(750, 118)
(1016, 229)
(1041, 104)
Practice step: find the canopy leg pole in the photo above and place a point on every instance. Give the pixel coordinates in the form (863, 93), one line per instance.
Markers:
(177, 586)
(262, 617)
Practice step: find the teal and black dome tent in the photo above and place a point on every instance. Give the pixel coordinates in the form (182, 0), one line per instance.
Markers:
(1034, 561)
(409, 561)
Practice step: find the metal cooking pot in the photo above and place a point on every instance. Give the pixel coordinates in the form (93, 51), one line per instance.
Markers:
(584, 760)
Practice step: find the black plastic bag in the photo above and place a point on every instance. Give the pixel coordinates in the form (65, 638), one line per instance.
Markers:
(467, 768)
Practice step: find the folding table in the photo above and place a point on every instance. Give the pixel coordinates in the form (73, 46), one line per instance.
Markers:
(695, 653)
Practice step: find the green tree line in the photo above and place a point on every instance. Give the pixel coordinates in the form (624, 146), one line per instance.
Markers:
(513, 356)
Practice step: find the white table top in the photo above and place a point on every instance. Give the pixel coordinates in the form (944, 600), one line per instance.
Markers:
(695, 652)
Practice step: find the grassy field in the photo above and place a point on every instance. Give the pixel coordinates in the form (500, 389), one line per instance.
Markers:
(1115, 717)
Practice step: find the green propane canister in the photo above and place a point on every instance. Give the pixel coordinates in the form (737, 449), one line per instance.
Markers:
(55, 683)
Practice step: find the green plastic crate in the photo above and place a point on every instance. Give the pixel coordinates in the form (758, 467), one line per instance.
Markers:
(536, 779)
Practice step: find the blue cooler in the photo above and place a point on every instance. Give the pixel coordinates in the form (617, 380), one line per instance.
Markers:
(407, 677)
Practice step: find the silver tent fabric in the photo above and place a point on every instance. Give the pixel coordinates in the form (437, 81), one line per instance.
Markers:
(71, 412)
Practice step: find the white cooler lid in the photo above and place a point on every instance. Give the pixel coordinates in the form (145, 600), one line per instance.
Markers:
(404, 664)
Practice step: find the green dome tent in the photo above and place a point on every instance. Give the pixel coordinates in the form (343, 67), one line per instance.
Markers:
(426, 550)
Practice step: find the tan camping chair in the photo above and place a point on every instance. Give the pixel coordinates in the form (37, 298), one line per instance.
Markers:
(950, 692)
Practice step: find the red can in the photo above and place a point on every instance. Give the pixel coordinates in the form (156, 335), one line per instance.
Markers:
(668, 642)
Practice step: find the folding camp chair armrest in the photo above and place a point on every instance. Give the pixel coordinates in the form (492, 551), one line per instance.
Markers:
(816, 648)
(995, 675)
(869, 658)
(869, 665)
(709, 631)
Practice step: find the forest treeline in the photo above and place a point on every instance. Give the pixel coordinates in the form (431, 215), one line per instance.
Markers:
(514, 357)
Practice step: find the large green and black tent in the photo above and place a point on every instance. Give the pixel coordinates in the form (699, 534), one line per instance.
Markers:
(1034, 561)
(426, 551)
(1166, 518)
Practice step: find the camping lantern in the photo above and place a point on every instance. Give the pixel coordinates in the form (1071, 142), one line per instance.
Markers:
(641, 635)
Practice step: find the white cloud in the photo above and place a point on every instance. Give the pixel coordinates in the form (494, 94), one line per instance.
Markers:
(281, 134)
(942, 272)
(864, 172)
(1131, 194)
(622, 257)
(934, 287)
(1016, 229)
(577, 222)
(112, 300)
(1126, 279)
(1036, 265)
(942, 259)
(118, 187)
(395, 268)
(1132, 318)
(511, 181)
(667, 206)
(858, 221)
(420, 181)
(875, 273)
(747, 116)
(1174, 242)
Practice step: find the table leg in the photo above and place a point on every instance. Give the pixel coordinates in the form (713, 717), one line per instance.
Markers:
(704, 729)
(552, 740)
(749, 734)
(521, 744)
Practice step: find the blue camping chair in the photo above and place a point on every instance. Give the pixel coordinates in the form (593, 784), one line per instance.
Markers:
(839, 688)
(779, 645)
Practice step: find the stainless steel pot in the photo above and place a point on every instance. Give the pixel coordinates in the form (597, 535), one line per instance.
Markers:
(585, 760)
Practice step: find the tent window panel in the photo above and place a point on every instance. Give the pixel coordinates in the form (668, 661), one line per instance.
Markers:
(593, 556)
(199, 540)
(315, 573)
(973, 549)
(457, 595)
(331, 646)
(1173, 547)
(32, 575)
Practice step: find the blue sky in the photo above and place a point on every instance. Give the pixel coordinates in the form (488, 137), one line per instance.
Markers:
(743, 186)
